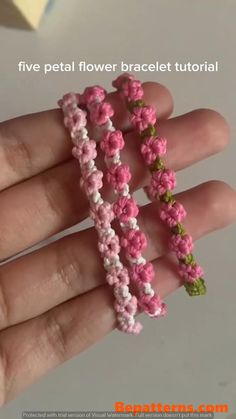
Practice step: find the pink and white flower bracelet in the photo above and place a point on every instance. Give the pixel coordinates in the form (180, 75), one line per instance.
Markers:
(85, 152)
(125, 208)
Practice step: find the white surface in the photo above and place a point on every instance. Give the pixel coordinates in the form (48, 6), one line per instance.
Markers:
(190, 356)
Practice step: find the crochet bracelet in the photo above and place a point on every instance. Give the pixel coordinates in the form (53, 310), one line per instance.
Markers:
(101, 212)
(163, 181)
(125, 208)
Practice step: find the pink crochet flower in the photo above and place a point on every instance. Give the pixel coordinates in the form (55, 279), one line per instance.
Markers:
(118, 176)
(85, 151)
(132, 305)
(119, 275)
(153, 306)
(134, 241)
(102, 214)
(125, 208)
(93, 182)
(93, 94)
(136, 328)
(77, 121)
(100, 113)
(121, 293)
(126, 317)
(152, 148)
(142, 272)
(109, 246)
(161, 182)
(118, 82)
(132, 89)
(119, 308)
(112, 142)
(190, 272)
(181, 245)
(172, 213)
(68, 101)
(142, 117)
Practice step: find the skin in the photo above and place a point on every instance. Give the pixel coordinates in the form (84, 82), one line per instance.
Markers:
(53, 303)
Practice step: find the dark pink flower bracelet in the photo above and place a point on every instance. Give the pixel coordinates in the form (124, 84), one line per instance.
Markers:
(138, 273)
(163, 181)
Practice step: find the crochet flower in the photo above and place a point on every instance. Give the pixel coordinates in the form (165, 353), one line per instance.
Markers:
(93, 182)
(133, 241)
(77, 121)
(102, 215)
(128, 307)
(172, 213)
(118, 176)
(132, 305)
(190, 273)
(142, 272)
(118, 275)
(132, 89)
(181, 245)
(109, 246)
(127, 322)
(121, 293)
(100, 113)
(68, 102)
(161, 182)
(85, 151)
(125, 208)
(152, 148)
(118, 82)
(94, 94)
(112, 142)
(152, 305)
(119, 308)
(142, 117)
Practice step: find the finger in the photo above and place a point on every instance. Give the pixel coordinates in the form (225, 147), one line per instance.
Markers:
(53, 201)
(33, 143)
(29, 350)
(72, 265)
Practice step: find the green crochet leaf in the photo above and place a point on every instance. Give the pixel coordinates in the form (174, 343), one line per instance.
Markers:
(197, 288)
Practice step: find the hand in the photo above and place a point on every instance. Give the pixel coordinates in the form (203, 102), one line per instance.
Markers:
(55, 298)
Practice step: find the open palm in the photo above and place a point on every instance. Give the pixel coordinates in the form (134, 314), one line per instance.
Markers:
(54, 302)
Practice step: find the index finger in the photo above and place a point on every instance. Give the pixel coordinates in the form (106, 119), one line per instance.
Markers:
(34, 143)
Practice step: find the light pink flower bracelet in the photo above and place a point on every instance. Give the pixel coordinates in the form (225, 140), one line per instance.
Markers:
(85, 152)
(163, 181)
(125, 208)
